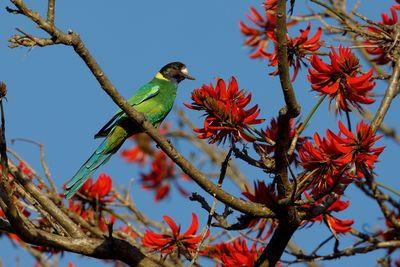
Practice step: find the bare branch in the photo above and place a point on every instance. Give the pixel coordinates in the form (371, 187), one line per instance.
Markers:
(391, 92)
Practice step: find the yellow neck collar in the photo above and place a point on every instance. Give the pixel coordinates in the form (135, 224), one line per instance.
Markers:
(161, 77)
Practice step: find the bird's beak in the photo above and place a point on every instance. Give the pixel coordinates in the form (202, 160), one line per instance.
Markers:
(185, 73)
(187, 76)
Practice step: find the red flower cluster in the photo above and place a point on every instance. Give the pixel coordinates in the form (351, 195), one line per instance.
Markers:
(92, 214)
(225, 111)
(338, 159)
(264, 194)
(271, 133)
(341, 81)
(235, 254)
(98, 190)
(391, 233)
(381, 47)
(135, 153)
(360, 146)
(258, 38)
(174, 241)
(336, 225)
(298, 48)
(162, 173)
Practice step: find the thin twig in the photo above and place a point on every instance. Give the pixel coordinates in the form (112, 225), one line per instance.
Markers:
(206, 229)
(390, 94)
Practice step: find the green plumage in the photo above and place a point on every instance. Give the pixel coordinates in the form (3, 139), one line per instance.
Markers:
(154, 100)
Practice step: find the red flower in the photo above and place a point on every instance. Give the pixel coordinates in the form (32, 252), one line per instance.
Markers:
(270, 5)
(391, 233)
(382, 47)
(338, 226)
(168, 243)
(162, 173)
(335, 225)
(326, 163)
(143, 148)
(98, 190)
(264, 194)
(363, 154)
(397, 6)
(340, 80)
(225, 111)
(258, 38)
(338, 159)
(298, 48)
(272, 134)
(235, 254)
(134, 154)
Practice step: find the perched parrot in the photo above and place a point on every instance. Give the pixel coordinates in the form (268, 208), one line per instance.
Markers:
(155, 100)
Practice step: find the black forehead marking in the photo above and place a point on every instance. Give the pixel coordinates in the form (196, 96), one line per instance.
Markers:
(175, 65)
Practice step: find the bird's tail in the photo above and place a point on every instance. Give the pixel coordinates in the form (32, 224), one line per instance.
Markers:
(98, 158)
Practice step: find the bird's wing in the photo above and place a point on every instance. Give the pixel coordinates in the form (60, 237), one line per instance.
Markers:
(144, 93)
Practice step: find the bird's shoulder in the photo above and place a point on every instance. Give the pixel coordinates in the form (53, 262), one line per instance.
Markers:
(145, 92)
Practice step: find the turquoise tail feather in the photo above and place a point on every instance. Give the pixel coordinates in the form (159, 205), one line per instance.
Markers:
(98, 158)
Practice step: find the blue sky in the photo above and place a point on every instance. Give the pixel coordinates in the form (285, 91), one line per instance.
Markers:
(54, 100)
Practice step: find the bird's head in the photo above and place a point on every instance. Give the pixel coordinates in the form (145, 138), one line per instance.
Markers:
(174, 72)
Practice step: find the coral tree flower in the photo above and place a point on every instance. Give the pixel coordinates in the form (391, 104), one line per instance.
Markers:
(258, 37)
(341, 81)
(264, 194)
(381, 47)
(226, 116)
(331, 162)
(325, 163)
(335, 225)
(298, 48)
(271, 133)
(162, 172)
(143, 148)
(236, 253)
(361, 144)
(263, 29)
(174, 241)
(98, 190)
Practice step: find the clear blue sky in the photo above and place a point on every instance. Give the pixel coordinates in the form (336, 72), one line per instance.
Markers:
(53, 98)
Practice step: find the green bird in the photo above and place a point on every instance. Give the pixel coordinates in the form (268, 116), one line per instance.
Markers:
(155, 100)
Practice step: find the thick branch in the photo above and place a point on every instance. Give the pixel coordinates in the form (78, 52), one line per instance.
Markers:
(276, 246)
(293, 107)
(287, 214)
(47, 204)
